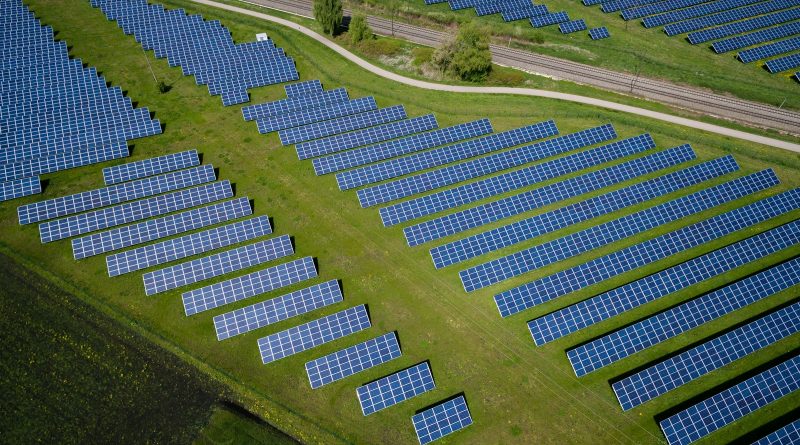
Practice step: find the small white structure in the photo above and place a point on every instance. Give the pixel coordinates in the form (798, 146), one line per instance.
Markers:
(260, 37)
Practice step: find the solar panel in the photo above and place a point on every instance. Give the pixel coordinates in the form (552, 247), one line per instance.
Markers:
(743, 26)
(133, 211)
(638, 255)
(340, 125)
(769, 50)
(186, 246)
(222, 263)
(314, 333)
(303, 88)
(496, 185)
(443, 155)
(733, 403)
(727, 16)
(395, 388)
(154, 229)
(150, 167)
(783, 63)
(496, 7)
(788, 435)
(349, 361)
(277, 309)
(529, 228)
(634, 294)
(673, 322)
(441, 420)
(669, 374)
(572, 26)
(599, 33)
(284, 106)
(525, 13)
(399, 147)
(246, 286)
(617, 5)
(20, 187)
(754, 38)
(62, 161)
(371, 135)
(115, 194)
(699, 10)
(548, 19)
(312, 115)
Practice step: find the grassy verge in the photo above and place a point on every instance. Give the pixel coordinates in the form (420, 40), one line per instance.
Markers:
(517, 393)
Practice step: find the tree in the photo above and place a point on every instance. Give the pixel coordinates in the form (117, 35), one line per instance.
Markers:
(466, 56)
(359, 29)
(329, 14)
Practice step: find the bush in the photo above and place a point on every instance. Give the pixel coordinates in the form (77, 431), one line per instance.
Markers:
(359, 29)
(329, 15)
(422, 55)
(466, 56)
(163, 87)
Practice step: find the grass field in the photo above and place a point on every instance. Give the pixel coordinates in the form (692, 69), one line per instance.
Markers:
(517, 393)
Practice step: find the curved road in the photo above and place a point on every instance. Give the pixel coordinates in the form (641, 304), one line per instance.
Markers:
(505, 90)
(730, 108)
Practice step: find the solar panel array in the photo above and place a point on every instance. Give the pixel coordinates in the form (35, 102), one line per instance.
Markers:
(246, 286)
(729, 405)
(18, 188)
(572, 26)
(787, 435)
(739, 27)
(277, 309)
(754, 38)
(553, 286)
(599, 33)
(548, 19)
(727, 16)
(395, 388)
(346, 362)
(713, 354)
(524, 13)
(312, 115)
(695, 11)
(320, 98)
(346, 123)
(769, 50)
(303, 88)
(150, 167)
(202, 48)
(441, 420)
(312, 334)
(783, 63)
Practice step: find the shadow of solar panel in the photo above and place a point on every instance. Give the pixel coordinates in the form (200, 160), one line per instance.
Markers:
(496, 185)
(277, 309)
(441, 420)
(783, 63)
(63, 161)
(727, 16)
(314, 333)
(349, 361)
(222, 263)
(340, 125)
(733, 403)
(788, 435)
(395, 388)
(550, 287)
(754, 38)
(303, 88)
(312, 115)
(150, 167)
(154, 229)
(650, 288)
(284, 106)
(20, 187)
(249, 285)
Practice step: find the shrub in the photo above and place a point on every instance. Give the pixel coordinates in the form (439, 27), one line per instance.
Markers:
(422, 55)
(359, 29)
(466, 56)
(329, 15)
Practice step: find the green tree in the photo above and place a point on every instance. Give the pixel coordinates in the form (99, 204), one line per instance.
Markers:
(329, 15)
(359, 29)
(466, 56)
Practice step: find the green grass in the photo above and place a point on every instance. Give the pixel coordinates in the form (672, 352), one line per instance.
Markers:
(517, 393)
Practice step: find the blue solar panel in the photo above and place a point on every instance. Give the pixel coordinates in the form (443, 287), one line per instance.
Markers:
(733, 403)
(788, 435)
(443, 155)
(673, 322)
(755, 38)
(637, 293)
(599, 33)
(644, 253)
(727, 16)
(496, 185)
(341, 125)
(222, 263)
(348, 361)
(617, 5)
(20, 187)
(783, 63)
(669, 374)
(314, 333)
(312, 115)
(769, 50)
(395, 388)
(510, 234)
(249, 285)
(186, 246)
(115, 194)
(150, 167)
(285, 106)
(399, 147)
(277, 309)
(303, 88)
(572, 26)
(525, 13)
(551, 18)
(743, 26)
(371, 135)
(699, 10)
(133, 211)
(154, 229)
(441, 420)
(498, 6)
